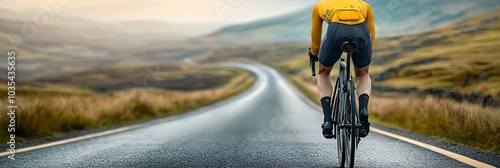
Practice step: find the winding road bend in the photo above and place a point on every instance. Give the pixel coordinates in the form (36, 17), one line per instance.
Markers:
(270, 125)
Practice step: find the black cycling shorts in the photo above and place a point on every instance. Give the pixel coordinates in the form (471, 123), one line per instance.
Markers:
(336, 35)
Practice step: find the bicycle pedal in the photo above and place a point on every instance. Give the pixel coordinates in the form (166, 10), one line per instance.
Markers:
(329, 136)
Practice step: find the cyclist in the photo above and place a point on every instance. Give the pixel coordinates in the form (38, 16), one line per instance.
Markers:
(347, 20)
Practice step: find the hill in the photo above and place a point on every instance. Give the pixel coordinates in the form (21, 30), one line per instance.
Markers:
(68, 44)
(114, 96)
(164, 76)
(461, 56)
(441, 77)
(392, 18)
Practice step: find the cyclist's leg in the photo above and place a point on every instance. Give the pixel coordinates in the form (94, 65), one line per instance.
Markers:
(364, 81)
(364, 89)
(324, 83)
(327, 58)
(362, 60)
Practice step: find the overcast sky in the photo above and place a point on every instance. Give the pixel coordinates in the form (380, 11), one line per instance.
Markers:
(173, 11)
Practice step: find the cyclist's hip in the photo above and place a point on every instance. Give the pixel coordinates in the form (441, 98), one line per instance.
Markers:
(337, 34)
(348, 30)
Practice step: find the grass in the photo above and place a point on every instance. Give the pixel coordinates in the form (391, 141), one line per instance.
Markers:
(463, 52)
(166, 76)
(462, 123)
(463, 56)
(460, 54)
(302, 84)
(44, 113)
(73, 45)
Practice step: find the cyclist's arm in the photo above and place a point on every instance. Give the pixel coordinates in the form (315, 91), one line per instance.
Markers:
(316, 30)
(370, 21)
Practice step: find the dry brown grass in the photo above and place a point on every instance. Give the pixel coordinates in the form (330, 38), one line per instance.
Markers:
(464, 50)
(463, 56)
(463, 123)
(46, 114)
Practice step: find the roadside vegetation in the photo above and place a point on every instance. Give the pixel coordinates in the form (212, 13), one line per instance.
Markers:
(54, 109)
(458, 59)
(462, 123)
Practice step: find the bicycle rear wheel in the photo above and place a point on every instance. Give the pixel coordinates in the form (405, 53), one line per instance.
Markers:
(339, 120)
(351, 139)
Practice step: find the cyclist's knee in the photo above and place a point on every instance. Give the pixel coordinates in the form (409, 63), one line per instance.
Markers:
(363, 71)
(324, 69)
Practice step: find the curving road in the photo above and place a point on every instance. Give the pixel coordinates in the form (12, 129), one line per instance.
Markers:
(267, 126)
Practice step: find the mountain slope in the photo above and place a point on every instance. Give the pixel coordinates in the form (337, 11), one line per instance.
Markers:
(94, 30)
(69, 44)
(284, 28)
(392, 18)
(462, 56)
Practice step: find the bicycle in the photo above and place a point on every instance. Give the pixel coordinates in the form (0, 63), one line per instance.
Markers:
(344, 108)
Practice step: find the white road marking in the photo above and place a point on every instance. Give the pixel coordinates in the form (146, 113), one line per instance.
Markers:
(72, 139)
(458, 157)
(461, 158)
(263, 85)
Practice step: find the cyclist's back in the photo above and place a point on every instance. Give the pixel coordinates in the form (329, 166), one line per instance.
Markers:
(348, 20)
(341, 12)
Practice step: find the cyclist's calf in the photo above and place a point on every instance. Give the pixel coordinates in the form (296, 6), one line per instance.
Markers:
(324, 85)
(364, 81)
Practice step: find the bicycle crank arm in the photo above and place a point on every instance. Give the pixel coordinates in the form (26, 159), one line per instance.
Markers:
(349, 126)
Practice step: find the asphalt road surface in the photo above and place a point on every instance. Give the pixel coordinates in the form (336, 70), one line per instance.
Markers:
(267, 126)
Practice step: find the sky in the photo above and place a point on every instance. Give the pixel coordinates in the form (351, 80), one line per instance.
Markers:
(223, 12)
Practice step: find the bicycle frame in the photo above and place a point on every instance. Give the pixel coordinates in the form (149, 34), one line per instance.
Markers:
(345, 112)
(343, 79)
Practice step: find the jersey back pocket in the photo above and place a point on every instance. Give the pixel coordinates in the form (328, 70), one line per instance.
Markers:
(348, 14)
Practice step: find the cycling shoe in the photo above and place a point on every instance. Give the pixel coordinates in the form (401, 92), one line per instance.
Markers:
(327, 130)
(365, 124)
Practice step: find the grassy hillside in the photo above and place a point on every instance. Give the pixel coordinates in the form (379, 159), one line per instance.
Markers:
(164, 76)
(81, 108)
(463, 56)
(69, 44)
(104, 30)
(460, 57)
(73, 44)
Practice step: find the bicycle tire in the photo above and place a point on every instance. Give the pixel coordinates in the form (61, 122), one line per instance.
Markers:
(353, 138)
(338, 119)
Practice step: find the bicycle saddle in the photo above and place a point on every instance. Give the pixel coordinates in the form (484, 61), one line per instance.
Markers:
(349, 46)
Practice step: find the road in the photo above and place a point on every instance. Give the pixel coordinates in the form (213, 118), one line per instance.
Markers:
(267, 126)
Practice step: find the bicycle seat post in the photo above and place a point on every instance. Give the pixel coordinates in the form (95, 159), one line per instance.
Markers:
(349, 47)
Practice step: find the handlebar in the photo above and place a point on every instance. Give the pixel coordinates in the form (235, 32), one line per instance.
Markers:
(312, 65)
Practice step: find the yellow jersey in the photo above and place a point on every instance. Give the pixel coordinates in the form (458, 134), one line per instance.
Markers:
(349, 12)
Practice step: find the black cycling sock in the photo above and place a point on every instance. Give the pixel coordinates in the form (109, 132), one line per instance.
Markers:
(363, 101)
(327, 110)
